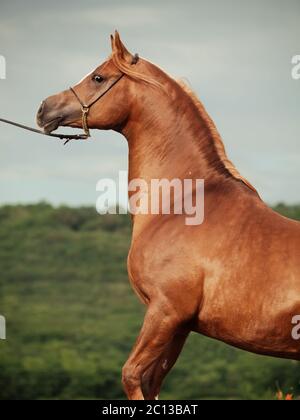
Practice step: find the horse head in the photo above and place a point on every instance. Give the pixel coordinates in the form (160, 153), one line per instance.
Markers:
(103, 99)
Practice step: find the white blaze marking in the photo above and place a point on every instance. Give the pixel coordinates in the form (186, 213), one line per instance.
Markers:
(89, 74)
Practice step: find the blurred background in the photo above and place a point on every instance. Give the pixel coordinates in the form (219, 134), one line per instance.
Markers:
(71, 315)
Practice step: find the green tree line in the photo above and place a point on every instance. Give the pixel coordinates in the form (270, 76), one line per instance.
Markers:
(72, 317)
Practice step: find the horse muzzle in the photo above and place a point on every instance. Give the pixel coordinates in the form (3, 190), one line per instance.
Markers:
(46, 119)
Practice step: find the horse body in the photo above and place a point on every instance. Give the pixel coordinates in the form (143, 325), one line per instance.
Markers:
(241, 284)
(236, 277)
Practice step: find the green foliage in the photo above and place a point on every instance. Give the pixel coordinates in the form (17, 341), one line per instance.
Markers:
(72, 317)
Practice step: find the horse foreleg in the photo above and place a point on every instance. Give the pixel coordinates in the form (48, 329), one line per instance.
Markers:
(155, 375)
(159, 328)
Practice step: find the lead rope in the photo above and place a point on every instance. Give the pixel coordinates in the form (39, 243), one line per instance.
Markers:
(66, 137)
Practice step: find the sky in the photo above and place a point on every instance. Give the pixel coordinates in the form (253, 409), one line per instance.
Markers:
(235, 54)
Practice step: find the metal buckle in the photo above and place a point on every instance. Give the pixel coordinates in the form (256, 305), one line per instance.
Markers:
(85, 111)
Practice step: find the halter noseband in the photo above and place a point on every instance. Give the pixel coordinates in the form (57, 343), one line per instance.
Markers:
(85, 109)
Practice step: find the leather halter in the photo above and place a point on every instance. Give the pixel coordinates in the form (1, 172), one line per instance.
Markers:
(85, 109)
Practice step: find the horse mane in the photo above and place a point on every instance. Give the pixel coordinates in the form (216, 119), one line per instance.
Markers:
(218, 144)
(217, 140)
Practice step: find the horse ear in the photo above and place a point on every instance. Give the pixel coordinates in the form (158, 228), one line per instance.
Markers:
(112, 42)
(119, 48)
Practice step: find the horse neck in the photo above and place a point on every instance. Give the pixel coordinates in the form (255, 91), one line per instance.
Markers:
(168, 138)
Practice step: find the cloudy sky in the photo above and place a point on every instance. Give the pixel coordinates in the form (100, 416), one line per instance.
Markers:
(236, 55)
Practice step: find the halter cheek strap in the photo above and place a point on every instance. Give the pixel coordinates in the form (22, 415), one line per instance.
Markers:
(85, 109)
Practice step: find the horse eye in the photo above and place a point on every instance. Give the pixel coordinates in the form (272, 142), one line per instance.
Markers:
(97, 78)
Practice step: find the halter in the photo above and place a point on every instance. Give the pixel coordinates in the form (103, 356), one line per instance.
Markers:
(85, 109)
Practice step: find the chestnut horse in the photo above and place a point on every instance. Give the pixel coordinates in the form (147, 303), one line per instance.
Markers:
(235, 277)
